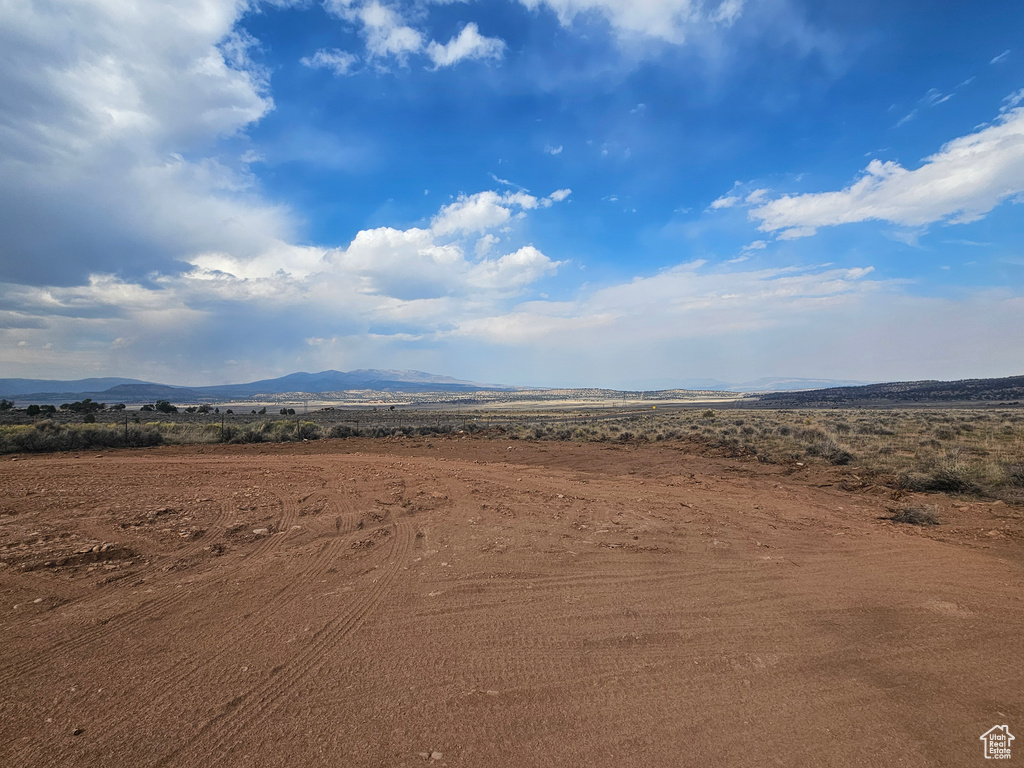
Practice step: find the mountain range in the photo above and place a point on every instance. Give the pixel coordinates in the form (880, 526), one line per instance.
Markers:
(116, 390)
(773, 392)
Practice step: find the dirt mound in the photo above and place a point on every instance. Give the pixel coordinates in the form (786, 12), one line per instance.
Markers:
(473, 602)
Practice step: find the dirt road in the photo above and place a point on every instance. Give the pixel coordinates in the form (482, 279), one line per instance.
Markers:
(472, 602)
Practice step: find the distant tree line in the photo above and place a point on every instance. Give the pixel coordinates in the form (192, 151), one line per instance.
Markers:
(163, 406)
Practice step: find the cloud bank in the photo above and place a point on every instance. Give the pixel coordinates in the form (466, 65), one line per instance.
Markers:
(111, 119)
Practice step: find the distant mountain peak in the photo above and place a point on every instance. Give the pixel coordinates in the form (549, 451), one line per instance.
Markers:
(302, 382)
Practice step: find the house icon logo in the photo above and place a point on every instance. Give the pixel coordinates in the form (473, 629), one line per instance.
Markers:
(997, 742)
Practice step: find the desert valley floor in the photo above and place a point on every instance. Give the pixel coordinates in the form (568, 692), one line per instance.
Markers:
(481, 602)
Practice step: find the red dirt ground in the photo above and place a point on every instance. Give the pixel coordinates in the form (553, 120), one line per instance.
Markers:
(471, 602)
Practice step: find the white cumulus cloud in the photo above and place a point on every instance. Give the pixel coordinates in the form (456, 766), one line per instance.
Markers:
(388, 34)
(468, 44)
(960, 183)
(487, 210)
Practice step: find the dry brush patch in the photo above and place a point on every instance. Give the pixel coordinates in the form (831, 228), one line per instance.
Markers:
(959, 451)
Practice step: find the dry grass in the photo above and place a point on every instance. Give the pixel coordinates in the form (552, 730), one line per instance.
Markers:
(959, 451)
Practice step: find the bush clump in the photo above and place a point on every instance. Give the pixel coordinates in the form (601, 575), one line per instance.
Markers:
(1014, 474)
(46, 435)
(914, 516)
(829, 450)
(945, 478)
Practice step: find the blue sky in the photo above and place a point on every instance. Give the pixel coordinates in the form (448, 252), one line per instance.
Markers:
(546, 192)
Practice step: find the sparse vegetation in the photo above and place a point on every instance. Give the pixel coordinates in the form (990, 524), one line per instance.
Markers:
(959, 451)
(47, 435)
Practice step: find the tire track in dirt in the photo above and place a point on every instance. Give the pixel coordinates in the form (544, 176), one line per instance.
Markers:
(315, 566)
(257, 705)
(120, 622)
(345, 516)
(188, 667)
(283, 526)
(534, 648)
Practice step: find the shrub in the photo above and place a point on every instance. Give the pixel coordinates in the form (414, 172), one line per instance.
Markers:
(946, 478)
(1015, 474)
(830, 451)
(253, 433)
(914, 516)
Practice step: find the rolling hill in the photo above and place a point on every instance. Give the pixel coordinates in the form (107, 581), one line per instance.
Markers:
(1007, 389)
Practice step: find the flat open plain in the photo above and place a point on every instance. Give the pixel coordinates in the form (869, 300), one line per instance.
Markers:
(480, 602)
